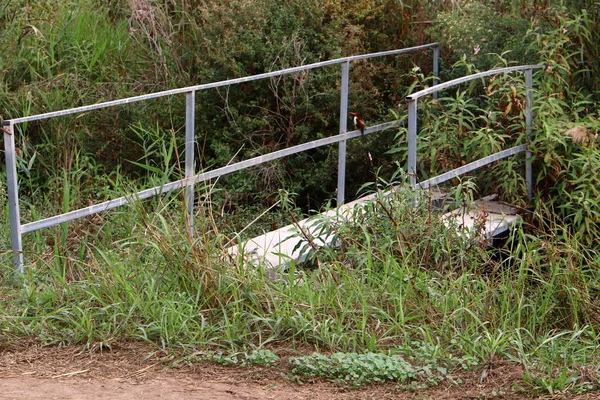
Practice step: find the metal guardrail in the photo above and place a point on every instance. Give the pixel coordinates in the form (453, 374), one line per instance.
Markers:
(412, 130)
(17, 229)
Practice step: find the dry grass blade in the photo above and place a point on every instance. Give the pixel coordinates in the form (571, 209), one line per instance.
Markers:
(580, 134)
(140, 371)
(70, 374)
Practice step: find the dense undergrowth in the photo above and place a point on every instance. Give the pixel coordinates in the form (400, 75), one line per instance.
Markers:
(399, 282)
(403, 297)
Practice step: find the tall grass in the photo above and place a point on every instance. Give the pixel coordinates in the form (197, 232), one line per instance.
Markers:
(399, 277)
(400, 281)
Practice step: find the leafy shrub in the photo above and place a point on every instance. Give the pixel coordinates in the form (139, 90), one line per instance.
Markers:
(469, 122)
(479, 32)
(358, 369)
(567, 173)
(265, 358)
(262, 357)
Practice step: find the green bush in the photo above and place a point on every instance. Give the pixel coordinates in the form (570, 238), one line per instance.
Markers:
(358, 369)
(478, 31)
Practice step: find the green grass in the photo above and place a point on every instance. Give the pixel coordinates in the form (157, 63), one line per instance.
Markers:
(402, 298)
(374, 298)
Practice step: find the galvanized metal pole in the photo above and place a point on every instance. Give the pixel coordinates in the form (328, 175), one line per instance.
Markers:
(12, 184)
(529, 124)
(469, 78)
(190, 105)
(436, 68)
(412, 143)
(213, 85)
(341, 186)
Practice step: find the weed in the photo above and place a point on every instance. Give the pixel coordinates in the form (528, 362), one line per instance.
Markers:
(262, 357)
(360, 369)
(403, 297)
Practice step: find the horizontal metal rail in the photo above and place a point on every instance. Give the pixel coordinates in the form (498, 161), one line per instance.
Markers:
(454, 82)
(17, 229)
(211, 85)
(202, 177)
(446, 176)
(413, 118)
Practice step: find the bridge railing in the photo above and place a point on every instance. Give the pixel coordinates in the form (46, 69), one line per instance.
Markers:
(17, 229)
(412, 130)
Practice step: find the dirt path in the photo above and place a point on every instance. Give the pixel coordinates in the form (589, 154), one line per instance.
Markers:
(136, 371)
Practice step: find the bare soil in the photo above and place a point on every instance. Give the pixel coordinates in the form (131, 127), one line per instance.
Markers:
(140, 371)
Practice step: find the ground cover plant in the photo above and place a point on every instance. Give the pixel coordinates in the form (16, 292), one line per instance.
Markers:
(403, 297)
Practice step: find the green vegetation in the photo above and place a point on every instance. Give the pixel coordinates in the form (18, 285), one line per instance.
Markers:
(360, 368)
(403, 297)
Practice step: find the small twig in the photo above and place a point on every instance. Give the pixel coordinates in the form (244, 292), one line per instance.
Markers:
(389, 213)
(141, 371)
(237, 235)
(306, 235)
(70, 374)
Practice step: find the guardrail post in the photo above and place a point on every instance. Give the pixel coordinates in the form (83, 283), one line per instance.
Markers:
(13, 198)
(412, 143)
(190, 105)
(529, 124)
(436, 68)
(341, 186)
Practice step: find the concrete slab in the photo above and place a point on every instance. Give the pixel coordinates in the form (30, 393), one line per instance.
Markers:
(486, 218)
(293, 242)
